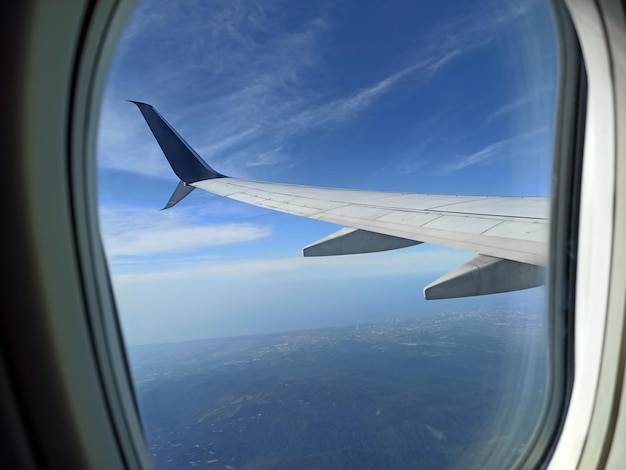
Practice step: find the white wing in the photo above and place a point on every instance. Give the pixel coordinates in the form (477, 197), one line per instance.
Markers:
(514, 228)
(509, 233)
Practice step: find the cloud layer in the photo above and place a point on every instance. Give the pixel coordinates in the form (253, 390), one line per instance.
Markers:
(136, 232)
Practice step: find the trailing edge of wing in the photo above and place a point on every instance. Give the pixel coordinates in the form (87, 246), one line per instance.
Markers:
(184, 160)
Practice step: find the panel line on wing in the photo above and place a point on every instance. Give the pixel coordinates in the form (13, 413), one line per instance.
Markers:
(288, 197)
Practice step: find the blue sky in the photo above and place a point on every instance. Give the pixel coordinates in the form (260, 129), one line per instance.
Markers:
(421, 96)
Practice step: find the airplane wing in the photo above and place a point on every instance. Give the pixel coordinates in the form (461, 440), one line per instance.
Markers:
(509, 233)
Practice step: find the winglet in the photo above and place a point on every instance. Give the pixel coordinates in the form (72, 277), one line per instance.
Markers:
(183, 159)
(181, 192)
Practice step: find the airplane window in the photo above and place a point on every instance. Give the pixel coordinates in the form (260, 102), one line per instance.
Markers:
(436, 122)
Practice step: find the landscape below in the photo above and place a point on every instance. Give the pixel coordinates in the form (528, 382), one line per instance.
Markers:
(462, 389)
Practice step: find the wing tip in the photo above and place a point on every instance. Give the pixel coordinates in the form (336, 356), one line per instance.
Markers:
(185, 162)
(140, 103)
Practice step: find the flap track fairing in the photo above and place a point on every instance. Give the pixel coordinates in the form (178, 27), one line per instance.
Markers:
(350, 241)
(485, 275)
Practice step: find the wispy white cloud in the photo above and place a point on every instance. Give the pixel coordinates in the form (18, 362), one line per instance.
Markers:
(423, 260)
(239, 88)
(132, 232)
(270, 157)
(424, 135)
(506, 148)
(345, 108)
(525, 101)
(509, 107)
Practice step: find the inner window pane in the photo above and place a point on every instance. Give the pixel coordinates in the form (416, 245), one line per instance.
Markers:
(243, 353)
